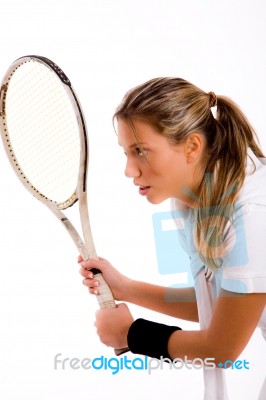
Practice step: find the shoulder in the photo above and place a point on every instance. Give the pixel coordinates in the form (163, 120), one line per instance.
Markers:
(253, 190)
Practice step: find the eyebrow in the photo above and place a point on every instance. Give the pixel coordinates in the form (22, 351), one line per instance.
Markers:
(135, 145)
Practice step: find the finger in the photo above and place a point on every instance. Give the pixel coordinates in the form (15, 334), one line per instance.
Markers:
(93, 291)
(85, 273)
(92, 263)
(91, 284)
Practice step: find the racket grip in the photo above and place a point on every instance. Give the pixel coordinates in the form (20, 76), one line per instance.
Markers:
(106, 300)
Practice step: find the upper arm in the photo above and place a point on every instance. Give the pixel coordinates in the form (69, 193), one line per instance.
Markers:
(234, 320)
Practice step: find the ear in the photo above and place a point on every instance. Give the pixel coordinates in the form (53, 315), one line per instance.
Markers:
(194, 146)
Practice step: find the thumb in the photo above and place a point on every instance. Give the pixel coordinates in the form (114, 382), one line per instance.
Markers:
(94, 263)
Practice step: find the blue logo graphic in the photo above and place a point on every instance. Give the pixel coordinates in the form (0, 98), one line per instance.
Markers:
(173, 228)
(171, 257)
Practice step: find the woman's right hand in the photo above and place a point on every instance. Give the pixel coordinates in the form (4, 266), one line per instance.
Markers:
(115, 280)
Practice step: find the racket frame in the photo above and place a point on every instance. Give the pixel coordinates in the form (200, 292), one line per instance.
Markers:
(86, 248)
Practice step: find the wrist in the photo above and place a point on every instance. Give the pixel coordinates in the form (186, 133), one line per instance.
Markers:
(150, 338)
(128, 290)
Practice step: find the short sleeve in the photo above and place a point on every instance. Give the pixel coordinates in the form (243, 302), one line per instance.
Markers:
(244, 261)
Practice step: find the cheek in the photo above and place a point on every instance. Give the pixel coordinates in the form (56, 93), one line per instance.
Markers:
(179, 167)
(168, 167)
(173, 170)
(176, 177)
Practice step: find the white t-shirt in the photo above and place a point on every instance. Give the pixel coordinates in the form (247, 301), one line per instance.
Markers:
(243, 263)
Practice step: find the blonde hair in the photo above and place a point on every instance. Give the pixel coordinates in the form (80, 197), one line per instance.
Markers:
(176, 108)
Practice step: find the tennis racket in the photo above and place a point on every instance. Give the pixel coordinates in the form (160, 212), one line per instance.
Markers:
(44, 135)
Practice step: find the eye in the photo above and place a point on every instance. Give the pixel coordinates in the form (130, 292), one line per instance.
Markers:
(141, 152)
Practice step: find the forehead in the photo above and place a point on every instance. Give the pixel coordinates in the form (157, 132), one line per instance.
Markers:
(136, 133)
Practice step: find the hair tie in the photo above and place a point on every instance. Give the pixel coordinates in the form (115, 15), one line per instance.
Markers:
(213, 99)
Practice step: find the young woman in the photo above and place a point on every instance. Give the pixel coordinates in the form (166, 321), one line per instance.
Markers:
(214, 171)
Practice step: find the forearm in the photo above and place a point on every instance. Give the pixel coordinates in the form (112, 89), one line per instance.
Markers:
(190, 344)
(233, 322)
(175, 302)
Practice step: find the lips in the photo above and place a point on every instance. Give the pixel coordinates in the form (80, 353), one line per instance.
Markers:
(144, 187)
(143, 190)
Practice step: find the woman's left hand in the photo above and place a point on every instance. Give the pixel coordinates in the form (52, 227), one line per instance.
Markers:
(113, 324)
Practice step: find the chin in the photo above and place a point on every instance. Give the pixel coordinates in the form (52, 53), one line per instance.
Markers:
(156, 200)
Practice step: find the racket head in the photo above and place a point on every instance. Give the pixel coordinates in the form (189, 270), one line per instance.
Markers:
(44, 131)
(45, 138)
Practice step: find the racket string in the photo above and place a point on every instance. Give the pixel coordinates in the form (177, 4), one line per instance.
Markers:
(44, 130)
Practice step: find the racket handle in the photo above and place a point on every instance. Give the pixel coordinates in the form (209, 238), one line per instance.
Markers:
(118, 352)
(105, 297)
(106, 300)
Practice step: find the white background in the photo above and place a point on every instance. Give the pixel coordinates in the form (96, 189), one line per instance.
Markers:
(107, 47)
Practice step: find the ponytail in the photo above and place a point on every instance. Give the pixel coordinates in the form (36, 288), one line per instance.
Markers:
(225, 175)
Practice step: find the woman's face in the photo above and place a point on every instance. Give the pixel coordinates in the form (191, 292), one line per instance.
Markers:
(164, 170)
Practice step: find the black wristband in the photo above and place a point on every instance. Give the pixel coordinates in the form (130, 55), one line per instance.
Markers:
(149, 338)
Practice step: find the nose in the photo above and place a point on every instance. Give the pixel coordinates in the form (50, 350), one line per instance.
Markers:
(132, 170)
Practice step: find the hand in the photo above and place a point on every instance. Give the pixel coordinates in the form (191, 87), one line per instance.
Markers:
(117, 282)
(113, 324)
